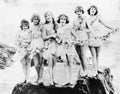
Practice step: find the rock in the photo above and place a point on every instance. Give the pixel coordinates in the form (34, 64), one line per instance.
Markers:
(6, 53)
(40, 89)
(84, 86)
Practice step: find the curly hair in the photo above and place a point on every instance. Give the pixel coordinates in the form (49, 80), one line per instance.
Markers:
(53, 20)
(63, 15)
(48, 12)
(93, 6)
(24, 22)
(35, 16)
(79, 8)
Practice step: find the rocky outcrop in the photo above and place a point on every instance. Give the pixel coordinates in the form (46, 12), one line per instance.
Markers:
(6, 53)
(83, 86)
(100, 84)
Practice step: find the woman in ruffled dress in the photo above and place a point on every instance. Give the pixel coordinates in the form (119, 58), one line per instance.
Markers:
(66, 52)
(37, 45)
(81, 29)
(95, 36)
(23, 41)
(49, 36)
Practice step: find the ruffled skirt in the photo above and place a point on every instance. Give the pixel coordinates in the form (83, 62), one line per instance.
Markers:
(36, 46)
(93, 41)
(82, 37)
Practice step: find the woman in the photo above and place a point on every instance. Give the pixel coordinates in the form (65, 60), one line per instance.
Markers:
(65, 50)
(23, 40)
(80, 27)
(49, 35)
(95, 36)
(37, 45)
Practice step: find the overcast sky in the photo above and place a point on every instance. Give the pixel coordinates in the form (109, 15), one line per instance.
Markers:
(13, 11)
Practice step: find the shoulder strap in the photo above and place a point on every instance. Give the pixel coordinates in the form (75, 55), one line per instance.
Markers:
(94, 20)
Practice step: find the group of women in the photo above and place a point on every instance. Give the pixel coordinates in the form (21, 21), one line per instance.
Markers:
(57, 42)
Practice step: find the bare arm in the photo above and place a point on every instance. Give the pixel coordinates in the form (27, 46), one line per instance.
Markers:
(44, 33)
(17, 39)
(89, 27)
(73, 33)
(101, 21)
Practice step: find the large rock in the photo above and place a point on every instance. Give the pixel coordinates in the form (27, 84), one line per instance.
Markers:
(6, 53)
(84, 86)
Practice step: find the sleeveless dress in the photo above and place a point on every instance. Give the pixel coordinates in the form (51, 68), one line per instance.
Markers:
(94, 39)
(49, 44)
(63, 48)
(37, 41)
(61, 73)
(23, 40)
(81, 31)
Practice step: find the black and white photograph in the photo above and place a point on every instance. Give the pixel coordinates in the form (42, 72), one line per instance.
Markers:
(59, 46)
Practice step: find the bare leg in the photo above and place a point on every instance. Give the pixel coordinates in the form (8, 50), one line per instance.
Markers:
(37, 65)
(23, 62)
(97, 55)
(69, 66)
(94, 59)
(83, 57)
(81, 50)
(50, 65)
(41, 67)
(26, 68)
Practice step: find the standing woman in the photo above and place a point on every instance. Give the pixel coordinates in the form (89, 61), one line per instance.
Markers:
(37, 44)
(95, 36)
(66, 52)
(23, 40)
(49, 36)
(80, 27)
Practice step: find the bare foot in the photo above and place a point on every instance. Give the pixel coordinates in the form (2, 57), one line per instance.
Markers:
(51, 82)
(40, 81)
(46, 83)
(35, 82)
(92, 72)
(84, 73)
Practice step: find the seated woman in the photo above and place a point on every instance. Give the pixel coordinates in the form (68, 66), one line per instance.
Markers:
(37, 45)
(49, 35)
(23, 40)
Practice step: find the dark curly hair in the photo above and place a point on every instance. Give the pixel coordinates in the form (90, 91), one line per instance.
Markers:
(93, 6)
(79, 8)
(35, 16)
(24, 21)
(67, 19)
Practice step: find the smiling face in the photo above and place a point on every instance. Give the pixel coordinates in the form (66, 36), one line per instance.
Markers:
(48, 17)
(79, 13)
(25, 26)
(93, 11)
(63, 20)
(36, 21)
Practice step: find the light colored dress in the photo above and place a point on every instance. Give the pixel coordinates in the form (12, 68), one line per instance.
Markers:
(95, 34)
(80, 27)
(23, 41)
(49, 44)
(64, 38)
(64, 48)
(67, 46)
(37, 41)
